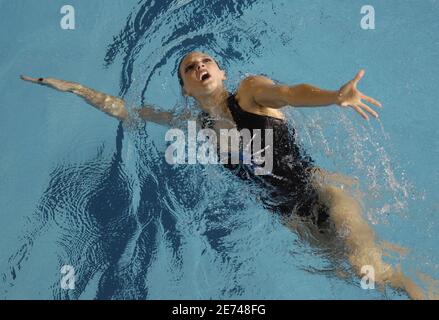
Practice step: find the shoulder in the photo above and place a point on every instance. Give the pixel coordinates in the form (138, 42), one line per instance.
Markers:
(247, 93)
(249, 86)
(253, 82)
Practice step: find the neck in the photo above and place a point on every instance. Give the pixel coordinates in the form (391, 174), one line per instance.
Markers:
(214, 103)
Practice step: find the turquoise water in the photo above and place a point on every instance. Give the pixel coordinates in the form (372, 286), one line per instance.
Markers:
(79, 189)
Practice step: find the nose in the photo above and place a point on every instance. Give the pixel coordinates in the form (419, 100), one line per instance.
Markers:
(200, 65)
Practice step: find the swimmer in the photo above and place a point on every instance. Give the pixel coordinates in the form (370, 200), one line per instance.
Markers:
(295, 184)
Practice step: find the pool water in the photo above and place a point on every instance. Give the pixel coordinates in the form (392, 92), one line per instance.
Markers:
(80, 189)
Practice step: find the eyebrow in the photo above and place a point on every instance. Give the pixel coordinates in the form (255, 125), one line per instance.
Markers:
(187, 64)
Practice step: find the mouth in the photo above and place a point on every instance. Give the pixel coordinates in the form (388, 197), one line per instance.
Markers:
(203, 76)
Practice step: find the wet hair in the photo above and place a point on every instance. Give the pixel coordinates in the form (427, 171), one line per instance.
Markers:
(180, 78)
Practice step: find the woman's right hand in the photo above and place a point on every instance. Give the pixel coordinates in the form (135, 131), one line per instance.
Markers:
(60, 85)
(112, 106)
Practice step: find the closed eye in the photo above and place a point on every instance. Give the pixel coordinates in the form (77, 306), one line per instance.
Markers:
(192, 65)
(189, 67)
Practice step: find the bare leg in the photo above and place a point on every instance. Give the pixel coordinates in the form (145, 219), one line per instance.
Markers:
(346, 214)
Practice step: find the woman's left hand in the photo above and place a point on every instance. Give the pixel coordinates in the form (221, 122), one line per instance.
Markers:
(350, 96)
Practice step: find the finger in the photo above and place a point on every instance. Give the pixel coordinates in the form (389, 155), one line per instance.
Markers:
(373, 101)
(361, 112)
(359, 75)
(30, 79)
(368, 109)
(27, 78)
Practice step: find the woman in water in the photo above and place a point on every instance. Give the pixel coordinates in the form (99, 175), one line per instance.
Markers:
(295, 185)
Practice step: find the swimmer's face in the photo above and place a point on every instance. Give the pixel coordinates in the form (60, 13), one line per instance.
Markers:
(201, 75)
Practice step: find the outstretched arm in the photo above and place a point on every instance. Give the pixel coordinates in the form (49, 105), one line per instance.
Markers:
(111, 105)
(266, 93)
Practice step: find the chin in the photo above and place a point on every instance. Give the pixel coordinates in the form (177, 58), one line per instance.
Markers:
(208, 89)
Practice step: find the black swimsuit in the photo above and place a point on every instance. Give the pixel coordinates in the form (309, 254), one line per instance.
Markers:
(288, 185)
